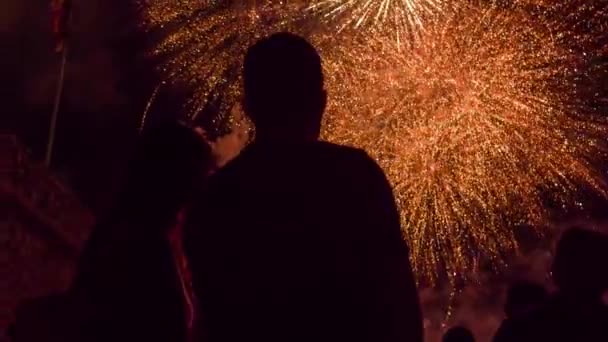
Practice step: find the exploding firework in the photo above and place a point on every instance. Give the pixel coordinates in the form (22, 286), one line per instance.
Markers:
(202, 45)
(478, 122)
(406, 17)
(477, 127)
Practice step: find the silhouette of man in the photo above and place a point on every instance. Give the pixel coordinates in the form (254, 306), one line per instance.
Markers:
(296, 239)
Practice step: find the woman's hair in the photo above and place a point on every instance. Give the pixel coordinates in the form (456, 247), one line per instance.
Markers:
(168, 165)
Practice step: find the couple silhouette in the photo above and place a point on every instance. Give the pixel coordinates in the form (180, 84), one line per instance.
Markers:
(293, 240)
(297, 239)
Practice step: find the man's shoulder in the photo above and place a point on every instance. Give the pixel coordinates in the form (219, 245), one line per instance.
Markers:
(255, 164)
(341, 153)
(318, 152)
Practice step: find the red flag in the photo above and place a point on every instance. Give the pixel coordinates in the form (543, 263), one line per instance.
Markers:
(60, 17)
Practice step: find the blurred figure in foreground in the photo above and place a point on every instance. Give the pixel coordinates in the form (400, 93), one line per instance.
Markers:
(522, 299)
(296, 239)
(458, 334)
(576, 312)
(132, 282)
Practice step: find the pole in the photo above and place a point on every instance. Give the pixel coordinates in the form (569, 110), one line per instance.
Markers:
(57, 105)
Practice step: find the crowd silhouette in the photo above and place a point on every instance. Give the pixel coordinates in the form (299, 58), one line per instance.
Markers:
(576, 311)
(294, 240)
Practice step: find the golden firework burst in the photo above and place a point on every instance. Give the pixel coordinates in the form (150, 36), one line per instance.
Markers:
(478, 122)
(476, 126)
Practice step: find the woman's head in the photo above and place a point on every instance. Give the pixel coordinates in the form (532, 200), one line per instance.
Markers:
(169, 163)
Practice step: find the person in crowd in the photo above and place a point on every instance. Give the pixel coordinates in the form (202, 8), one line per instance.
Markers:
(132, 281)
(458, 334)
(522, 299)
(297, 239)
(576, 312)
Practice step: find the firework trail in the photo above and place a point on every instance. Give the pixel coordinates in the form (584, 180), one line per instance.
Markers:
(406, 18)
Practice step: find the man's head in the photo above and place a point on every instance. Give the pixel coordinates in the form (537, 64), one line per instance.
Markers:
(284, 93)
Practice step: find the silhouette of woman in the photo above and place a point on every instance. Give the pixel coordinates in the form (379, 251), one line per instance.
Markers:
(133, 280)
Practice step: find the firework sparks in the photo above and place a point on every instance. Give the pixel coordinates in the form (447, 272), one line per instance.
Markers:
(202, 46)
(477, 122)
(406, 17)
(475, 127)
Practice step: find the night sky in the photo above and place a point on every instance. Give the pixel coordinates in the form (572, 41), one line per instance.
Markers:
(108, 81)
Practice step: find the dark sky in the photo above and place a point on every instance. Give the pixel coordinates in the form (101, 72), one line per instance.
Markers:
(107, 84)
